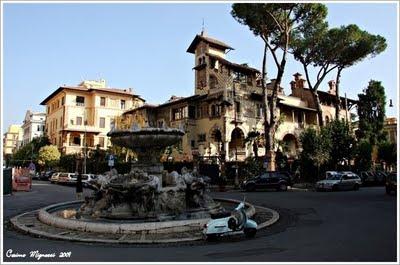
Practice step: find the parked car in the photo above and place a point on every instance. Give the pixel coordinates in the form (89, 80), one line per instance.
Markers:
(35, 176)
(46, 175)
(86, 178)
(380, 177)
(66, 178)
(340, 181)
(367, 177)
(373, 177)
(54, 177)
(278, 180)
(391, 183)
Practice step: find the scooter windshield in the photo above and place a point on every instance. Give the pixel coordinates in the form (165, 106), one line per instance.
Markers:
(240, 216)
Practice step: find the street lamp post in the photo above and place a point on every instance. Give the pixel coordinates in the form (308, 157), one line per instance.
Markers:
(235, 130)
(85, 143)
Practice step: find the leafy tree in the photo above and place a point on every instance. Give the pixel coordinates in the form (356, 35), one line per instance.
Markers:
(316, 150)
(342, 142)
(30, 151)
(275, 23)
(371, 113)
(253, 137)
(252, 167)
(387, 152)
(363, 158)
(96, 158)
(67, 162)
(49, 155)
(121, 153)
(352, 45)
(330, 49)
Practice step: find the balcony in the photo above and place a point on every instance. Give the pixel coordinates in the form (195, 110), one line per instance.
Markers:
(82, 128)
(71, 149)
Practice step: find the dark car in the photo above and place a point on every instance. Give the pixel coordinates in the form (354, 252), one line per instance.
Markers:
(380, 177)
(46, 175)
(270, 180)
(367, 177)
(391, 183)
(370, 178)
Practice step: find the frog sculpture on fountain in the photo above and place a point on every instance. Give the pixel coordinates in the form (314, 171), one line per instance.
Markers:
(139, 194)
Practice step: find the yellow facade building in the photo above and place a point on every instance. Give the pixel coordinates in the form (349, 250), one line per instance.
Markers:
(12, 139)
(390, 128)
(84, 114)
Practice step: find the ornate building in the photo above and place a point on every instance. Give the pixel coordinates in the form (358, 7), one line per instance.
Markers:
(82, 115)
(227, 106)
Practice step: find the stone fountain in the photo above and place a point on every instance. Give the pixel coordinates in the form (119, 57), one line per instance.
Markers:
(136, 207)
(140, 194)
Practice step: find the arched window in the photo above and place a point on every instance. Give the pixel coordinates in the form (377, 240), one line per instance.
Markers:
(327, 119)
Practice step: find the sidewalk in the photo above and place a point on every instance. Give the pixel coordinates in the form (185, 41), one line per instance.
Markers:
(296, 187)
(304, 186)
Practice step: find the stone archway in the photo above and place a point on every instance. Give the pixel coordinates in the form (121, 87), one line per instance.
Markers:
(216, 140)
(237, 144)
(290, 144)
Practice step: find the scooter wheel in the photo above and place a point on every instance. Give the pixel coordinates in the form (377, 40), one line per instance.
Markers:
(232, 223)
(250, 232)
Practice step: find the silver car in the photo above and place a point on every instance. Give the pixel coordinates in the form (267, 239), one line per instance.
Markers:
(54, 177)
(339, 181)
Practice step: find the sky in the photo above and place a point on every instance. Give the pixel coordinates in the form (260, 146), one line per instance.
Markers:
(143, 46)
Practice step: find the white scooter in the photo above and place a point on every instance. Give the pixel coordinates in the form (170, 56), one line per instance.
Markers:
(230, 223)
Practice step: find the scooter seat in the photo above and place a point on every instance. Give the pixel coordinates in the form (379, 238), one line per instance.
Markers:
(220, 215)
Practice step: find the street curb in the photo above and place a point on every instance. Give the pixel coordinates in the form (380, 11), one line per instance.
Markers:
(37, 233)
(274, 219)
(46, 217)
(299, 189)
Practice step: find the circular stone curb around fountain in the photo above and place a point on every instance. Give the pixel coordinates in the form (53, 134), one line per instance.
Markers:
(46, 217)
(124, 237)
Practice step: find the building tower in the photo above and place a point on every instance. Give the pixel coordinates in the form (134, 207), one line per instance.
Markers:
(205, 50)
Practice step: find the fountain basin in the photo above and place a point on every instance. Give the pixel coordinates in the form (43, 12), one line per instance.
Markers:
(146, 138)
(46, 215)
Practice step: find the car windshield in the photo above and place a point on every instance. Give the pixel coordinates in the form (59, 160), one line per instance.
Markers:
(333, 176)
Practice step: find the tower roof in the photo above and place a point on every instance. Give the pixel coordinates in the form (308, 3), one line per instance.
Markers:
(211, 41)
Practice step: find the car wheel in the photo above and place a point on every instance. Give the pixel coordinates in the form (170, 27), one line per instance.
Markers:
(282, 187)
(335, 188)
(356, 187)
(250, 232)
(250, 187)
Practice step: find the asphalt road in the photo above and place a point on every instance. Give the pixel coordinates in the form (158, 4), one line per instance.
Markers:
(343, 226)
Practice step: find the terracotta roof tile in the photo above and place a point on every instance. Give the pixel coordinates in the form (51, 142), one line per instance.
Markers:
(209, 40)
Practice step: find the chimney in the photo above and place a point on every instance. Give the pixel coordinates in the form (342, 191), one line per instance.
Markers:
(293, 85)
(332, 87)
(297, 76)
(299, 81)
